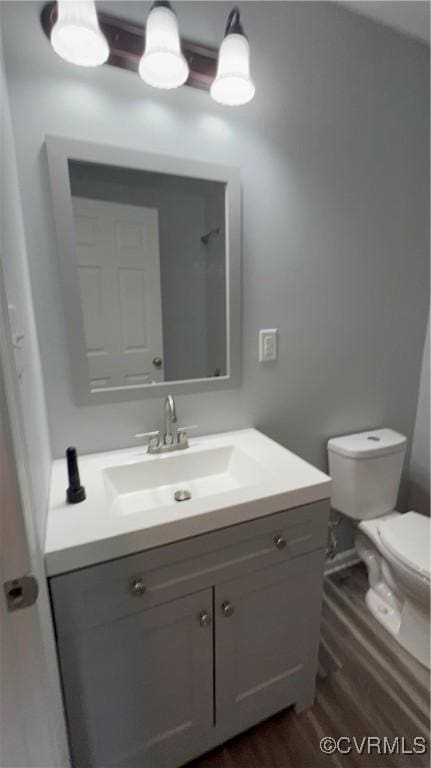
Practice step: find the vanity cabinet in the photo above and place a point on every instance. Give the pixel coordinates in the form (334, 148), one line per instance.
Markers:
(267, 632)
(141, 685)
(166, 653)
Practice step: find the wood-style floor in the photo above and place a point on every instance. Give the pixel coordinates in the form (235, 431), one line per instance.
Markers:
(370, 687)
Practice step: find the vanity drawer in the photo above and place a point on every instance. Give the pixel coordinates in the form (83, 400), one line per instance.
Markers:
(118, 588)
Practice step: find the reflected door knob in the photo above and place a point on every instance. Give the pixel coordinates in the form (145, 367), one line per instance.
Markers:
(227, 608)
(280, 542)
(157, 362)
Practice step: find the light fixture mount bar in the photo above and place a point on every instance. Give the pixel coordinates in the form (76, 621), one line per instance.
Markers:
(126, 41)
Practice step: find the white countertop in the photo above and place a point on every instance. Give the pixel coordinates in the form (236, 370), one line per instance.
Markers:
(97, 530)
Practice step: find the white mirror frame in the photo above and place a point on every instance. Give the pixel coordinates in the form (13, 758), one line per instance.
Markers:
(60, 151)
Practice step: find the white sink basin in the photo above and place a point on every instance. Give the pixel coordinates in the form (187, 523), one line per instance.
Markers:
(130, 505)
(152, 483)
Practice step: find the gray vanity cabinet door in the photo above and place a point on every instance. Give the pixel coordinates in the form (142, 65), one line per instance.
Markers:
(139, 690)
(266, 641)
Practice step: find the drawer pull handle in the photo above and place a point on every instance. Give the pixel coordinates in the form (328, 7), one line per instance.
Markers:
(137, 587)
(227, 608)
(280, 542)
(204, 619)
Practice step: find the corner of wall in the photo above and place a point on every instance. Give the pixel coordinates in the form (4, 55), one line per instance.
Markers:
(419, 469)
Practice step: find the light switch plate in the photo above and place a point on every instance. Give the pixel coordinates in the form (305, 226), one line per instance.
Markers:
(268, 347)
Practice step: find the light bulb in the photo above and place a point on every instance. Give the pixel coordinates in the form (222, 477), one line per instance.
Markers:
(163, 64)
(233, 85)
(76, 35)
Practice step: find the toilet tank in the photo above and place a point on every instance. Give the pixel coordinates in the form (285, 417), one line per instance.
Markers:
(366, 471)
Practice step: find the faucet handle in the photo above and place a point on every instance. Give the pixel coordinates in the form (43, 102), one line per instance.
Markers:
(182, 433)
(154, 437)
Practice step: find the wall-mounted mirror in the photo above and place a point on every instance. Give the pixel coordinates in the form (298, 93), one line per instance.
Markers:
(150, 263)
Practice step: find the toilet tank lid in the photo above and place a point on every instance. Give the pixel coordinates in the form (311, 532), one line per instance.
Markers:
(408, 538)
(362, 445)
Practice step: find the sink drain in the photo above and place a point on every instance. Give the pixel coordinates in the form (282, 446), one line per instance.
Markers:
(182, 495)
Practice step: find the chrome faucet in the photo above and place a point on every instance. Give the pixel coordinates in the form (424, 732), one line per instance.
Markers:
(171, 441)
(170, 415)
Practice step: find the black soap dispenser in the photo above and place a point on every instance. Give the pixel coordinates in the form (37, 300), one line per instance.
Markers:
(75, 492)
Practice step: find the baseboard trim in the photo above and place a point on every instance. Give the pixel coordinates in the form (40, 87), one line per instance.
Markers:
(342, 560)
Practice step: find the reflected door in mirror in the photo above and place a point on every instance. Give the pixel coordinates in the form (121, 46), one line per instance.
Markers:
(118, 258)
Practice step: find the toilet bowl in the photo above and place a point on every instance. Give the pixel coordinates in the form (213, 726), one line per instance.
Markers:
(396, 551)
(366, 470)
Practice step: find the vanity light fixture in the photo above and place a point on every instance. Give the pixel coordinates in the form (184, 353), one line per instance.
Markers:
(163, 64)
(82, 36)
(233, 85)
(76, 35)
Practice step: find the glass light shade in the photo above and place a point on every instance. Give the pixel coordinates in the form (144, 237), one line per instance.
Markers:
(76, 35)
(233, 85)
(163, 64)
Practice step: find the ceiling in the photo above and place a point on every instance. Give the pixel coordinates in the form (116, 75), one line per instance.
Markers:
(409, 16)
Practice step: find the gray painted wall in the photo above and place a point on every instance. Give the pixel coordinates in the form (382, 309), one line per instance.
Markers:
(14, 262)
(419, 473)
(333, 154)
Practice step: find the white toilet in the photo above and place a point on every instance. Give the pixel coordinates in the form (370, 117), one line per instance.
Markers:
(366, 471)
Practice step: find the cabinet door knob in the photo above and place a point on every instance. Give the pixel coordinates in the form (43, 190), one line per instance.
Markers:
(204, 619)
(137, 587)
(280, 542)
(157, 362)
(227, 608)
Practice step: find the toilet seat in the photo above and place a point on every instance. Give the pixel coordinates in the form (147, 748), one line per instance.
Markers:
(407, 538)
